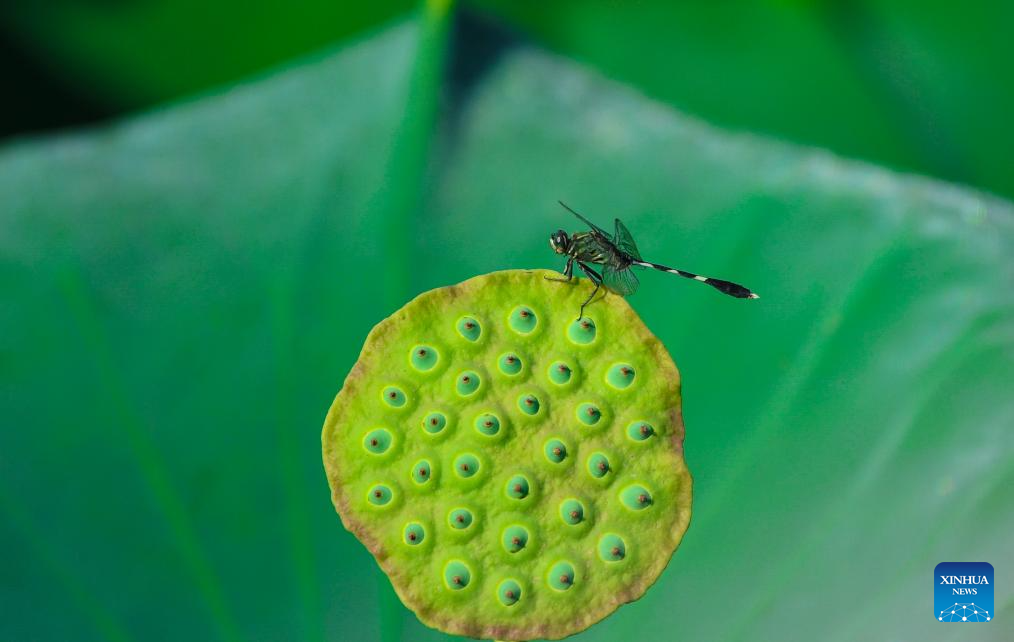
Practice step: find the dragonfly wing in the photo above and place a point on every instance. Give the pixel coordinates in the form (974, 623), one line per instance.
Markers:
(623, 281)
(586, 221)
(624, 241)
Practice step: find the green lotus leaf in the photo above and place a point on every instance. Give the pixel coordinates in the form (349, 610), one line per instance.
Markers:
(184, 292)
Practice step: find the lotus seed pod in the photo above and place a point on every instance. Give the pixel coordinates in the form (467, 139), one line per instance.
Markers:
(518, 473)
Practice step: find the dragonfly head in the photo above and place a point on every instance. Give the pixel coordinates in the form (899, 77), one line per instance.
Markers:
(559, 241)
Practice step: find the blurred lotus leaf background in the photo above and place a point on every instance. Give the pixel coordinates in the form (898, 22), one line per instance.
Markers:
(240, 191)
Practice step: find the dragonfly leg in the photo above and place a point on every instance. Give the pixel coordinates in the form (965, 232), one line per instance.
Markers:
(568, 272)
(595, 278)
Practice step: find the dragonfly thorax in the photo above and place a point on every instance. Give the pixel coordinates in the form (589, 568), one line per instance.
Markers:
(589, 247)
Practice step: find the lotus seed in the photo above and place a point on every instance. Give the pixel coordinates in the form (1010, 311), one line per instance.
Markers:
(509, 592)
(414, 533)
(556, 451)
(560, 373)
(582, 332)
(598, 465)
(377, 441)
(380, 495)
(523, 320)
(457, 575)
(510, 364)
(423, 358)
(468, 383)
(518, 487)
(572, 512)
(515, 538)
(434, 422)
(529, 404)
(469, 328)
(640, 430)
(460, 518)
(487, 424)
(588, 414)
(612, 548)
(466, 465)
(620, 376)
(636, 497)
(393, 396)
(422, 472)
(561, 576)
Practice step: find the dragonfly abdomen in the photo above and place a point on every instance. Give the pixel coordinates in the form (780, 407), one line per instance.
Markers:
(725, 287)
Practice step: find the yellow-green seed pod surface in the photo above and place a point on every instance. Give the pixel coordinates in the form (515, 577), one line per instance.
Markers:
(517, 473)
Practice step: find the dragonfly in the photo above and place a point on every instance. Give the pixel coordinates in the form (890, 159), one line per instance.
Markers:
(617, 254)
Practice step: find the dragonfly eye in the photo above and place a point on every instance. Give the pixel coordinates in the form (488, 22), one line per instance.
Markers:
(558, 241)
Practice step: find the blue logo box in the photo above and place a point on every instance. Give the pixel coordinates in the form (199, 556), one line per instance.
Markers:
(963, 592)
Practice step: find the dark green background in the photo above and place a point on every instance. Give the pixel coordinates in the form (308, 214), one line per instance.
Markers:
(185, 290)
(923, 85)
